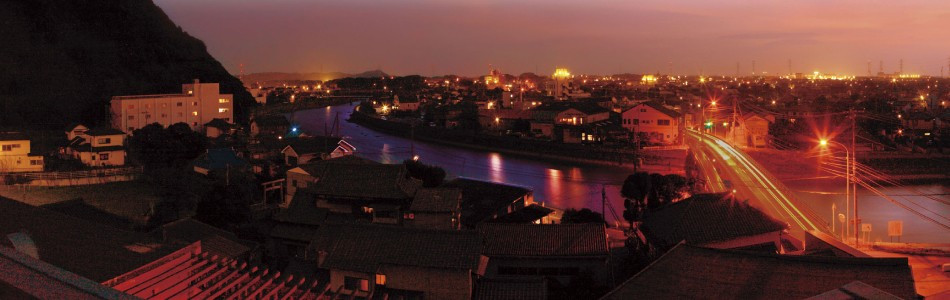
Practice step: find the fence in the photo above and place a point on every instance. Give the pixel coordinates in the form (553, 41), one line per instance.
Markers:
(69, 178)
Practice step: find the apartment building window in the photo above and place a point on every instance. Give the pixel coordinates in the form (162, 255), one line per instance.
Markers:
(222, 110)
(663, 122)
(131, 117)
(104, 156)
(178, 104)
(131, 106)
(194, 124)
(6, 148)
(223, 100)
(164, 105)
(636, 121)
(164, 115)
(105, 140)
(194, 113)
(148, 117)
(16, 146)
(36, 162)
(195, 103)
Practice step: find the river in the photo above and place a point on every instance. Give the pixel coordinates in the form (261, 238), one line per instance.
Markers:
(578, 185)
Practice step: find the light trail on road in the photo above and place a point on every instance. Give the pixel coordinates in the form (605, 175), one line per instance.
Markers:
(728, 169)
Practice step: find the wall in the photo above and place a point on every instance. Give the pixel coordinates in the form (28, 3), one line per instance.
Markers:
(195, 110)
(17, 158)
(647, 120)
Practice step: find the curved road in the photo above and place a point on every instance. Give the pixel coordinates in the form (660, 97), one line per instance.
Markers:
(727, 169)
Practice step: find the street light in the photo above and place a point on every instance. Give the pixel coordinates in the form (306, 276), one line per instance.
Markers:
(849, 168)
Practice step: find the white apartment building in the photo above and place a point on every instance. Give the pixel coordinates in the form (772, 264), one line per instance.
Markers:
(197, 104)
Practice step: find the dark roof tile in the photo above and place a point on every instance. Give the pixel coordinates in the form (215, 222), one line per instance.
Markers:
(707, 218)
(522, 240)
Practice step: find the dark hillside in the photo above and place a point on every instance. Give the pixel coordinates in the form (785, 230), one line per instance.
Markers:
(62, 60)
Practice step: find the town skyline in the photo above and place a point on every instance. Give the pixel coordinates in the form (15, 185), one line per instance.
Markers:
(601, 37)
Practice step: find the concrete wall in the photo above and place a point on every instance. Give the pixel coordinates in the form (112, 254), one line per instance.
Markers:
(195, 109)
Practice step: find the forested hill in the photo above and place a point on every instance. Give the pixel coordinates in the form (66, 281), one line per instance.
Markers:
(62, 60)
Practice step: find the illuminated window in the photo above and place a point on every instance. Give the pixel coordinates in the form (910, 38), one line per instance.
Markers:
(191, 92)
(381, 279)
(222, 110)
(194, 113)
(105, 140)
(223, 100)
(195, 103)
(354, 284)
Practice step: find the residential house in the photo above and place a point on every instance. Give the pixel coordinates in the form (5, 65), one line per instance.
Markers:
(218, 127)
(569, 122)
(753, 130)
(217, 161)
(301, 150)
(196, 105)
(271, 125)
(97, 147)
(307, 174)
(559, 252)
(485, 200)
(393, 262)
(435, 208)
(660, 124)
(689, 272)
(15, 154)
(379, 193)
(715, 221)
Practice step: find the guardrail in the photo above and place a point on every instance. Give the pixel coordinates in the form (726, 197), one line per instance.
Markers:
(68, 177)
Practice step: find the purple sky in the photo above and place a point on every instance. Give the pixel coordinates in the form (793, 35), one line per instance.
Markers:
(596, 37)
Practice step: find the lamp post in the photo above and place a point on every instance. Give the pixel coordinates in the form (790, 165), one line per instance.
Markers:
(848, 173)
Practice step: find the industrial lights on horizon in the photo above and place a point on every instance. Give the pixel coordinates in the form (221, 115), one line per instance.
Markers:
(561, 73)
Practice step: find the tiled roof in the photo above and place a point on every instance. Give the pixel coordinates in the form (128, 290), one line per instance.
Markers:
(436, 200)
(221, 158)
(481, 199)
(707, 218)
(366, 181)
(315, 144)
(213, 239)
(528, 214)
(316, 168)
(584, 107)
(365, 248)
(302, 210)
(219, 124)
(687, 272)
(531, 240)
(659, 107)
(510, 289)
(104, 131)
(95, 251)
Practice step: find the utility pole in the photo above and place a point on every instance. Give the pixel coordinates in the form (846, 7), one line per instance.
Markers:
(854, 173)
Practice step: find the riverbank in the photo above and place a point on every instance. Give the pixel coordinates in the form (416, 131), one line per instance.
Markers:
(283, 108)
(653, 160)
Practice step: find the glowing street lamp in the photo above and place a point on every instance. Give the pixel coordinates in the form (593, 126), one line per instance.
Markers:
(849, 172)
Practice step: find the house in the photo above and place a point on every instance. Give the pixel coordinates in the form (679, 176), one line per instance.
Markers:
(74, 130)
(97, 147)
(197, 104)
(306, 174)
(218, 160)
(302, 150)
(485, 200)
(272, 125)
(218, 127)
(436, 208)
(753, 130)
(15, 154)
(414, 263)
(379, 193)
(294, 228)
(568, 122)
(531, 214)
(559, 252)
(660, 124)
(715, 221)
(687, 272)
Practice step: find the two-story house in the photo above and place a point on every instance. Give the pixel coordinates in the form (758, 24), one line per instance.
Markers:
(98, 147)
(567, 121)
(379, 193)
(437, 208)
(660, 124)
(15, 154)
(302, 150)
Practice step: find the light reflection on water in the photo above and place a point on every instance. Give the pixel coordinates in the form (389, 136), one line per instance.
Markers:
(567, 185)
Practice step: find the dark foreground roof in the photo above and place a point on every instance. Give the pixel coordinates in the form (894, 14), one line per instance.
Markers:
(95, 251)
(523, 240)
(25, 277)
(707, 218)
(694, 272)
(481, 199)
(366, 248)
(366, 181)
(511, 289)
(213, 240)
(436, 200)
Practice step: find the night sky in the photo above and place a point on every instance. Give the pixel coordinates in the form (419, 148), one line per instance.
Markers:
(596, 37)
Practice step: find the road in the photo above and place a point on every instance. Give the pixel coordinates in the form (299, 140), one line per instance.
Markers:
(727, 169)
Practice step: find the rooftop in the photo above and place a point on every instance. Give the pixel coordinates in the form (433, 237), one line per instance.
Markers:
(366, 248)
(531, 240)
(706, 218)
(481, 199)
(694, 272)
(101, 131)
(382, 181)
(436, 200)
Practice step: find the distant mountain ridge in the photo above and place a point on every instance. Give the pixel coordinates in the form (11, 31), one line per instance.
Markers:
(289, 76)
(61, 61)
